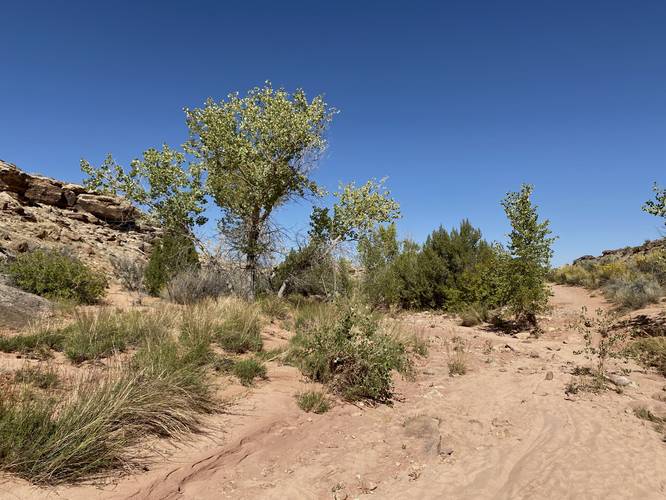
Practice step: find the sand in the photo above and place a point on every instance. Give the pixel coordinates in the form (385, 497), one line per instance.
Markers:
(504, 430)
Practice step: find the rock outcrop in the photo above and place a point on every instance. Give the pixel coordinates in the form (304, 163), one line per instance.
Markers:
(37, 211)
(623, 253)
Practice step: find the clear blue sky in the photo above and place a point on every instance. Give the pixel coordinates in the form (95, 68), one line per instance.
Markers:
(456, 102)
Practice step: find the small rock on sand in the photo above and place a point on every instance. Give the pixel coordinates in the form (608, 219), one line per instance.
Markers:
(549, 376)
(619, 380)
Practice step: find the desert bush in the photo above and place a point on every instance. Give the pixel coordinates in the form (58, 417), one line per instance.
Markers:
(473, 314)
(130, 272)
(603, 339)
(312, 270)
(40, 377)
(239, 327)
(457, 351)
(313, 402)
(171, 255)
(633, 291)
(56, 275)
(654, 265)
(351, 354)
(452, 270)
(650, 351)
(194, 285)
(572, 274)
(248, 369)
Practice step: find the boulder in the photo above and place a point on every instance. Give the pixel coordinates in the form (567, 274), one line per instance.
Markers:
(17, 307)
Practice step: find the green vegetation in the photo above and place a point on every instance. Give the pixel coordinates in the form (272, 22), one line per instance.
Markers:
(172, 254)
(312, 271)
(313, 402)
(650, 352)
(239, 327)
(274, 307)
(37, 345)
(248, 369)
(56, 275)
(352, 354)
(631, 282)
(158, 393)
(525, 286)
(37, 376)
(457, 352)
(603, 339)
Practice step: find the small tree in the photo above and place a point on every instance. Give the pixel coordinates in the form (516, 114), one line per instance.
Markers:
(258, 151)
(603, 339)
(525, 285)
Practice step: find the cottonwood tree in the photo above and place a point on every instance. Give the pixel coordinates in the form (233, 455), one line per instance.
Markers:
(530, 249)
(258, 151)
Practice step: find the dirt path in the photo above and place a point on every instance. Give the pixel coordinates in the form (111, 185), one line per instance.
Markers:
(505, 430)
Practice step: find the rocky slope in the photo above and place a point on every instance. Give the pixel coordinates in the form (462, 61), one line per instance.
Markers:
(623, 253)
(37, 211)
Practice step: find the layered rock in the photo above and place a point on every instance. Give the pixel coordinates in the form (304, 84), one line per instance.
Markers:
(37, 211)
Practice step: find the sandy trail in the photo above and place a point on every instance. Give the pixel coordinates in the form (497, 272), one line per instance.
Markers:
(505, 430)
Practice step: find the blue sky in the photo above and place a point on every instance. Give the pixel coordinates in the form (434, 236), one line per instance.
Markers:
(456, 102)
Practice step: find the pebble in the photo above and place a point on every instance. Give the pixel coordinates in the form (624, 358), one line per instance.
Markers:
(549, 376)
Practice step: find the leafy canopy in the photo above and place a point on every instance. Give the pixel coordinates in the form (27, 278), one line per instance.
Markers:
(258, 151)
(357, 211)
(658, 205)
(162, 181)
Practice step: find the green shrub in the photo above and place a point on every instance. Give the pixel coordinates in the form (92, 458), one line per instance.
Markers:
(312, 270)
(313, 401)
(57, 275)
(651, 352)
(194, 285)
(473, 315)
(248, 369)
(171, 255)
(351, 354)
(633, 292)
(239, 329)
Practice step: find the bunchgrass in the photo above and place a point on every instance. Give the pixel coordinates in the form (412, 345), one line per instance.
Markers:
(313, 401)
(239, 327)
(248, 369)
(37, 376)
(93, 432)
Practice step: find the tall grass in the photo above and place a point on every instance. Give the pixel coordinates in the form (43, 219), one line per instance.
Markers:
(239, 326)
(94, 431)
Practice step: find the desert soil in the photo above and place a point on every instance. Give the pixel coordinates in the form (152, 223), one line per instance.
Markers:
(504, 430)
